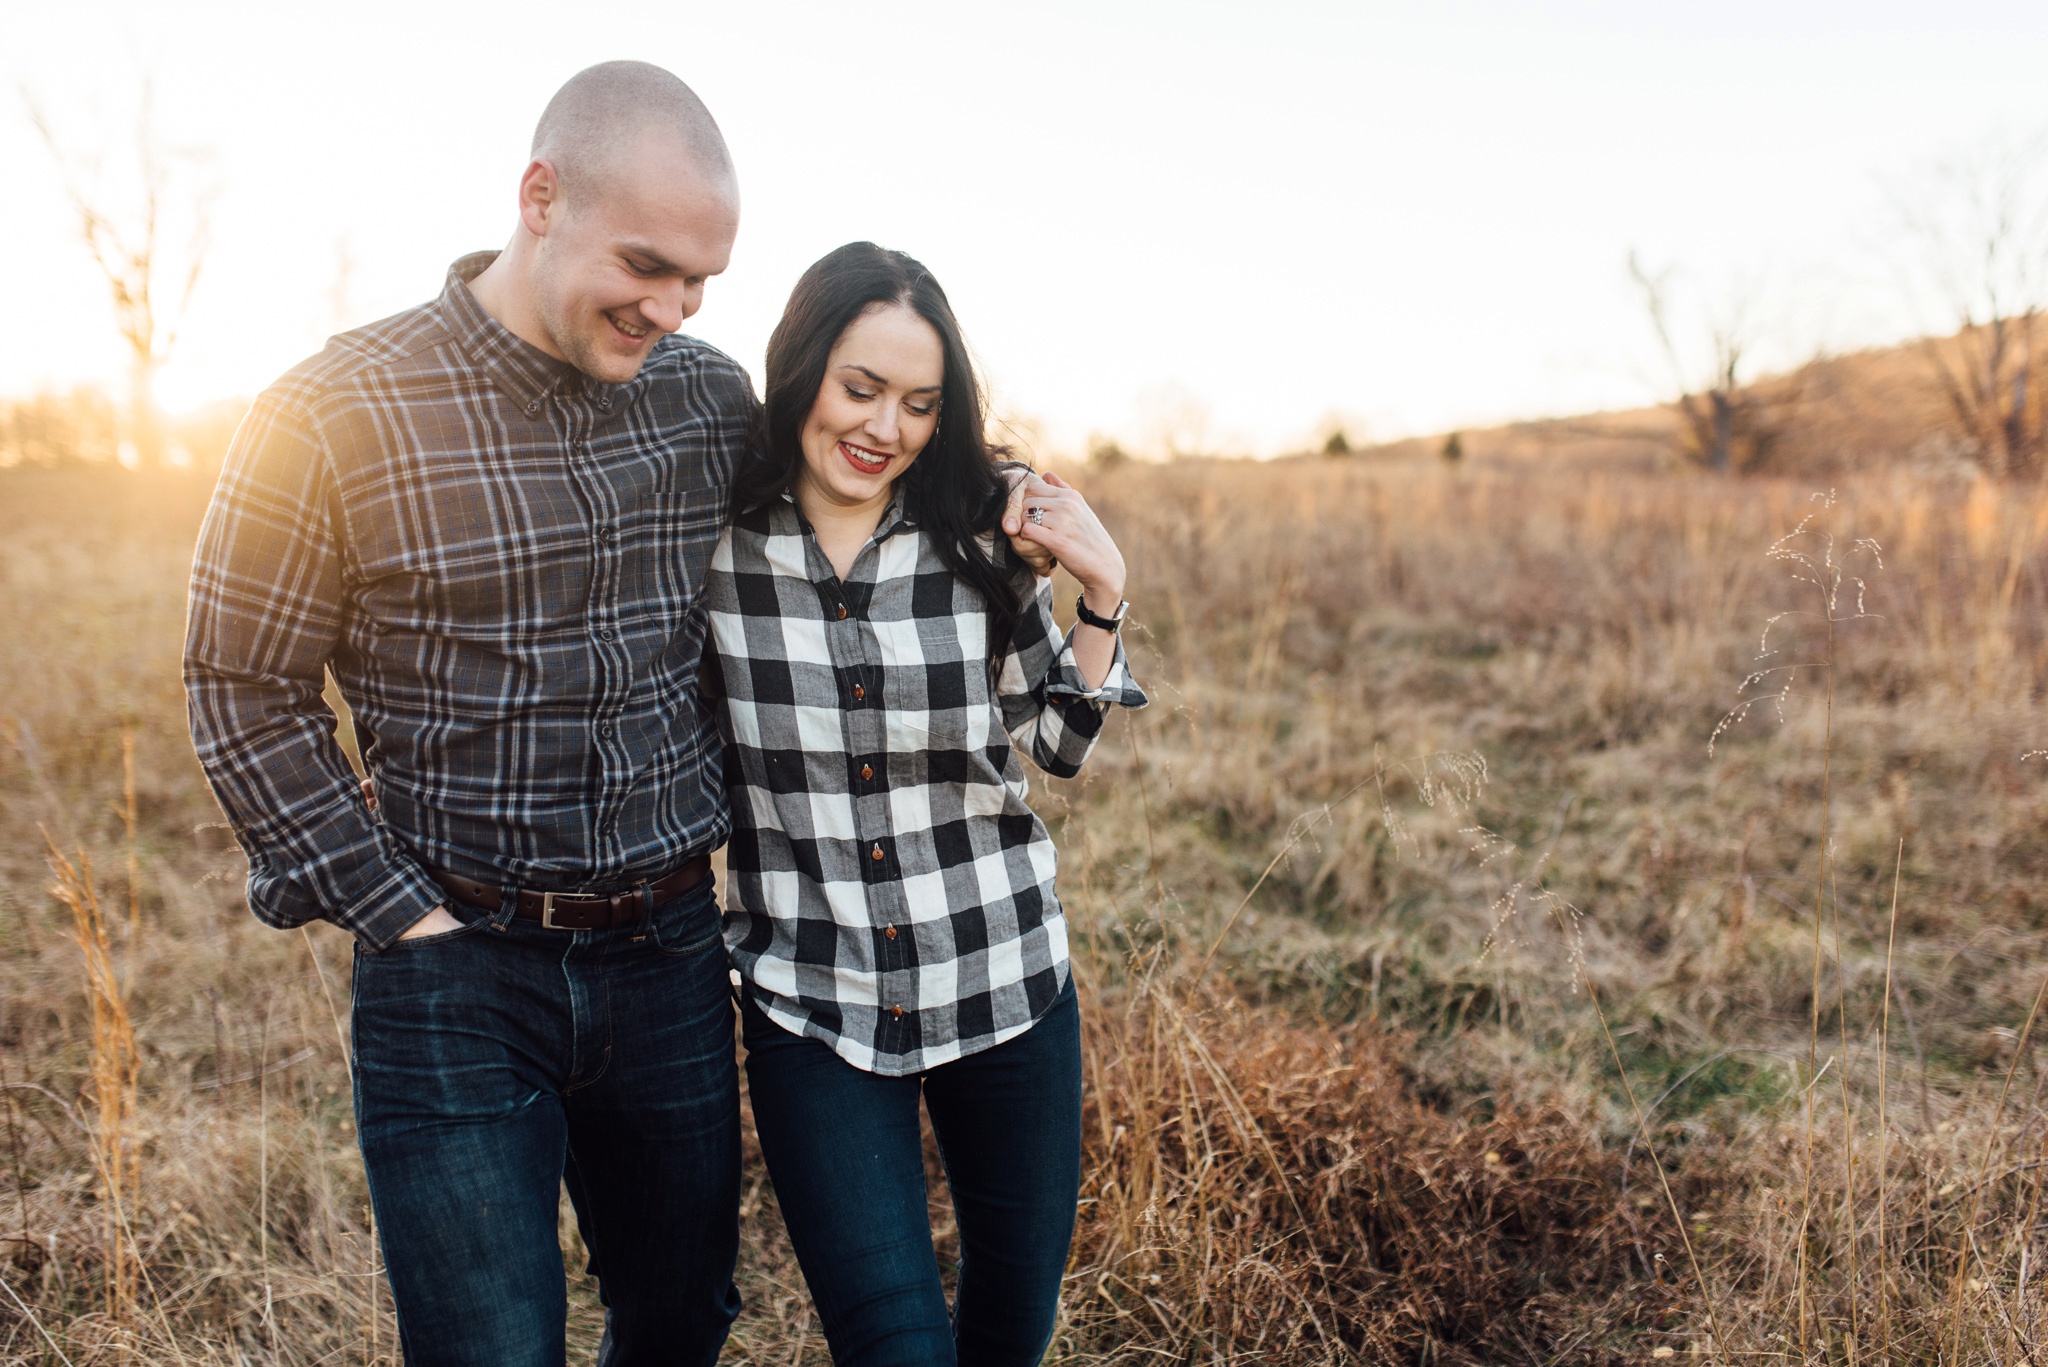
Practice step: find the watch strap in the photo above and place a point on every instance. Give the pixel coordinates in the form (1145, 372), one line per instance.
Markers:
(1109, 624)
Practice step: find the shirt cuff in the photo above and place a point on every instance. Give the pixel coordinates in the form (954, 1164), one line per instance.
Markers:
(1065, 684)
(390, 906)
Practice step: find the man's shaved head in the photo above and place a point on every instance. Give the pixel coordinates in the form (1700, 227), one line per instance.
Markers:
(595, 123)
(627, 207)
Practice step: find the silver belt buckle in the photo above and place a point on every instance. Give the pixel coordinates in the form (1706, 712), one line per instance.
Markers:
(547, 913)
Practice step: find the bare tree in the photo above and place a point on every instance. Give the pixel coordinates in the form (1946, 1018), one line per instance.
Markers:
(1980, 221)
(1725, 425)
(124, 230)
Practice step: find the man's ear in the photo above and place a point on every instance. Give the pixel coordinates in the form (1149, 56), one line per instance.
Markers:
(540, 197)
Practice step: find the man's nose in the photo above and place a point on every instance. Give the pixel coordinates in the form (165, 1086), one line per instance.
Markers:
(666, 308)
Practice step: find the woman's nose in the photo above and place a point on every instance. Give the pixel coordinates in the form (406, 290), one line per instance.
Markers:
(883, 427)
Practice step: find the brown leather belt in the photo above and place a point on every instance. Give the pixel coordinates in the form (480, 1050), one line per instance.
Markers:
(579, 910)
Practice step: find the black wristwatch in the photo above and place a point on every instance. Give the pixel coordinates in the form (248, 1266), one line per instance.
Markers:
(1108, 624)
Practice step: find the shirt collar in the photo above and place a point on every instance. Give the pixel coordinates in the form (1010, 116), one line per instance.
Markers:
(895, 518)
(525, 372)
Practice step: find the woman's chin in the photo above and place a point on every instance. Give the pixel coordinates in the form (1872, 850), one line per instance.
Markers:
(849, 490)
(868, 490)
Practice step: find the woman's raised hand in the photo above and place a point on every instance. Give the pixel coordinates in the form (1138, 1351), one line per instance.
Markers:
(1058, 518)
(1021, 478)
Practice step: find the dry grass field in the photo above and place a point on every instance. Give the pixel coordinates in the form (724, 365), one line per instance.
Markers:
(1449, 1001)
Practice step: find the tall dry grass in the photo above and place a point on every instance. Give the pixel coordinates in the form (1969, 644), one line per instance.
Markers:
(1587, 636)
(112, 1073)
(1372, 1078)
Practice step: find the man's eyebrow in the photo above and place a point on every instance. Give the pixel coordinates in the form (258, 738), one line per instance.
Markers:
(883, 381)
(661, 263)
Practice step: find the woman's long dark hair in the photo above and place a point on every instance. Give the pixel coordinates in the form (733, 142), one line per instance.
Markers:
(952, 489)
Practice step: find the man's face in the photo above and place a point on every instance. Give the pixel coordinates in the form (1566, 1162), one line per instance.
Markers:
(624, 257)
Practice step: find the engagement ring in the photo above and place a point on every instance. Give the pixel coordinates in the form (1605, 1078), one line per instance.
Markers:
(1037, 516)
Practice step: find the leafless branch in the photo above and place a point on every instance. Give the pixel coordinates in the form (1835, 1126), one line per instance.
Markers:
(123, 231)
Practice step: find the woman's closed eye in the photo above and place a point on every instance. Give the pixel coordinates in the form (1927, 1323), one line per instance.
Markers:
(857, 393)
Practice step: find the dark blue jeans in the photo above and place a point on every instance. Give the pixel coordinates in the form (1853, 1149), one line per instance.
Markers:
(845, 1154)
(496, 1061)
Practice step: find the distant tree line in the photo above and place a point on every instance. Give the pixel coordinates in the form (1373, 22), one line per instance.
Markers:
(88, 426)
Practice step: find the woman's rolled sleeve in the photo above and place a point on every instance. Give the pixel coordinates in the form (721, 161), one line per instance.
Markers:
(1048, 708)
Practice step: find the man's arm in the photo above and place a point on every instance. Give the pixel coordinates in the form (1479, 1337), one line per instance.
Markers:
(264, 617)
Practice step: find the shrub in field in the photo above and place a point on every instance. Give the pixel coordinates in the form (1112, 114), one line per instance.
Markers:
(1282, 1194)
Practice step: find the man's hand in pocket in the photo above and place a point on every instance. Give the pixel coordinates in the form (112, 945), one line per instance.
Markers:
(435, 922)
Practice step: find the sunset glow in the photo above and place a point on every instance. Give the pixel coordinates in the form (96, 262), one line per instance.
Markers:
(1192, 224)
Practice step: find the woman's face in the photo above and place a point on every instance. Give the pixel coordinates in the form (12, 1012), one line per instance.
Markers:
(875, 410)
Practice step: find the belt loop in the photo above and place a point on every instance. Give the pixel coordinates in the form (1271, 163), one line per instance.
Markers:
(508, 907)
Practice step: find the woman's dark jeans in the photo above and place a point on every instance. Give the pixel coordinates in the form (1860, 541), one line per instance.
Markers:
(494, 1061)
(844, 1152)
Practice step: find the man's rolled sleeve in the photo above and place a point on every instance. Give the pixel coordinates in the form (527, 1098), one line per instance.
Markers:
(264, 617)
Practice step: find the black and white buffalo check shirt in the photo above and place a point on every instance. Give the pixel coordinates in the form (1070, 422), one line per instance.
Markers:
(891, 893)
(503, 563)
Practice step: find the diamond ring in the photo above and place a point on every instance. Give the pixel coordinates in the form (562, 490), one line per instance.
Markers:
(1036, 516)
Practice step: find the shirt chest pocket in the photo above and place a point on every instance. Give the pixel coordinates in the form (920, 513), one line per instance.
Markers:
(681, 513)
(940, 705)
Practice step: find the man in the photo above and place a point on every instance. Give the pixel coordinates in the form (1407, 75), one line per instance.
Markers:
(490, 517)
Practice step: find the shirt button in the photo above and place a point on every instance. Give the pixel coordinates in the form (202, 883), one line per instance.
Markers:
(876, 854)
(841, 612)
(604, 633)
(897, 1012)
(867, 771)
(582, 448)
(605, 730)
(859, 692)
(532, 407)
(889, 934)
(607, 533)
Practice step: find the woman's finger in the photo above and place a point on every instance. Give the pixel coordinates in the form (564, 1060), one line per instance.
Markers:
(1078, 547)
(1074, 519)
(1067, 501)
(1013, 509)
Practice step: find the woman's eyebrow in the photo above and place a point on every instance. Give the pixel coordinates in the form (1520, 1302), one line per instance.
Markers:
(883, 380)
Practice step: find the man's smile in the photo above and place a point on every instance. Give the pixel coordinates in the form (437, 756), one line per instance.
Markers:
(632, 332)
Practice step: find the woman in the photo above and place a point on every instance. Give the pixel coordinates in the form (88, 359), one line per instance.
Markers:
(891, 913)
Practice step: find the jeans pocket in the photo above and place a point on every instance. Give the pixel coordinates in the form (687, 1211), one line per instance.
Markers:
(429, 941)
(688, 924)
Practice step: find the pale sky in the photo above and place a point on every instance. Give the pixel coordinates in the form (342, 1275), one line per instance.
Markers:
(1416, 215)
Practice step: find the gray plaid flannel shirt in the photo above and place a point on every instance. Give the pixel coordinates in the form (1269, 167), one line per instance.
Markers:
(503, 563)
(890, 891)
